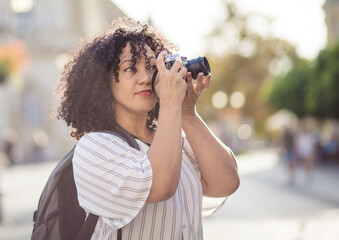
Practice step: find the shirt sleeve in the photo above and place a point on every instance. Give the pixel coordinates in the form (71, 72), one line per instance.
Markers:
(209, 205)
(113, 179)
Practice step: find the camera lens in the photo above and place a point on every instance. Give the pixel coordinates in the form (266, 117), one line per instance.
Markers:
(197, 65)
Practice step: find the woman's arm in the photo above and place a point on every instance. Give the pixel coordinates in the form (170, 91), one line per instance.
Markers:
(165, 152)
(218, 168)
(219, 172)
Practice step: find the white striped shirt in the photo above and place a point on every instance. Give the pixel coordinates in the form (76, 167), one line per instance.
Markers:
(113, 181)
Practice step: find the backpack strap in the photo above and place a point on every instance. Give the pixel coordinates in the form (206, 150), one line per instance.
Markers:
(88, 227)
(122, 133)
(119, 236)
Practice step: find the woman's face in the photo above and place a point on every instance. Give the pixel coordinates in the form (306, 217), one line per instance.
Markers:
(133, 94)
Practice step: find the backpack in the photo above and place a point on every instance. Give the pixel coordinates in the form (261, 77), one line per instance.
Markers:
(59, 216)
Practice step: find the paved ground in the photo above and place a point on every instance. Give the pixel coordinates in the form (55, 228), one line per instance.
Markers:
(265, 207)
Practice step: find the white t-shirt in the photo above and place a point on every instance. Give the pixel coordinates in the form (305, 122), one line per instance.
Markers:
(113, 181)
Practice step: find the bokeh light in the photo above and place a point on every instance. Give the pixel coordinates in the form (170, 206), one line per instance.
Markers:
(244, 131)
(219, 99)
(22, 6)
(237, 99)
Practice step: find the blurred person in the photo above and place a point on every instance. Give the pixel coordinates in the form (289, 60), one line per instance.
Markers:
(330, 150)
(39, 144)
(305, 143)
(154, 193)
(318, 149)
(289, 153)
(10, 138)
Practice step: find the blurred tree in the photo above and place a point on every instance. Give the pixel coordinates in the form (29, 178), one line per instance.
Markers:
(4, 70)
(242, 60)
(13, 57)
(310, 88)
(322, 96)
(289, 91)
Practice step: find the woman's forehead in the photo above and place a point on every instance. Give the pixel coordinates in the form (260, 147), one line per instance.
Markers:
(126, 51)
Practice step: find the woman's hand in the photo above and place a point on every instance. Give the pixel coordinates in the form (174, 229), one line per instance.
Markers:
(193, 92)
(165, 152)
(170, 83)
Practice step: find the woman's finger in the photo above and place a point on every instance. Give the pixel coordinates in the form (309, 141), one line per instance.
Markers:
(182, 72)
(189, 81)
(160, 62)
(199, 85)
(177, 66)
(206, 81)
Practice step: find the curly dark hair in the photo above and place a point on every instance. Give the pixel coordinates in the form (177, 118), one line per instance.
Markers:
(85, 84)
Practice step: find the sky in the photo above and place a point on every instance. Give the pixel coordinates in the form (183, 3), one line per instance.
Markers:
(187, 22)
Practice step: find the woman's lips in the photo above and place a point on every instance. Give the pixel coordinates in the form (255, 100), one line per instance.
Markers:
(147, 92)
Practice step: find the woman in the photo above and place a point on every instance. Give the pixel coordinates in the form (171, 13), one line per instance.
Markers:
(154, 193)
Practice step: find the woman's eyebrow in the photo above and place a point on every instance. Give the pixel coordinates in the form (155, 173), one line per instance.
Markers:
(151, 57)
(130, 60)
(124, 61)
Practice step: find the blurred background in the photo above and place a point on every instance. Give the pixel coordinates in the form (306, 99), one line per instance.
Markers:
(273, 99)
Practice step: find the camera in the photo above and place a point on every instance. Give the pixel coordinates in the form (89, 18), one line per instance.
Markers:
(194, 66)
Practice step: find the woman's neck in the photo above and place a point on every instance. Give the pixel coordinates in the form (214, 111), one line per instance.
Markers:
(137, 126)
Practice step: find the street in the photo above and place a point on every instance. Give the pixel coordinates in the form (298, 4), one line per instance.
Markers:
(264, 207)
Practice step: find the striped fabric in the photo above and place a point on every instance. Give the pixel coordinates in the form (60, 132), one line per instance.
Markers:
(113, 181)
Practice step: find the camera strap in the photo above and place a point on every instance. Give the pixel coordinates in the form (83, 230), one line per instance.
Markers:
(153, 87)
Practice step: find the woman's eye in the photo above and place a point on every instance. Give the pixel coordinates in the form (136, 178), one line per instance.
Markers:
(152, 67)
(130, 69)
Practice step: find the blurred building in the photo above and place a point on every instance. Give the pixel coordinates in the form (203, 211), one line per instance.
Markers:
(48, 29)
(331, 8)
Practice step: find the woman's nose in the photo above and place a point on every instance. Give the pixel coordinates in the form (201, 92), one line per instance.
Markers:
(145, 76)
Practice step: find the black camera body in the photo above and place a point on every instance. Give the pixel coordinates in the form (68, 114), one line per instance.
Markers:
(194, 66)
